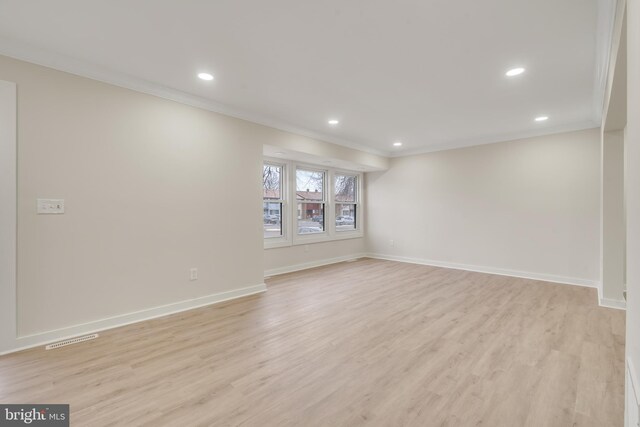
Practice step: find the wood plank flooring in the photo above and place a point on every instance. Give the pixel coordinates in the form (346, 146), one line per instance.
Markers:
(369, 342)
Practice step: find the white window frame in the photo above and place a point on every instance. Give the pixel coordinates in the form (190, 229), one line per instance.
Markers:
(289, 217)
(299, 239)
(283, 240)
(358, 206)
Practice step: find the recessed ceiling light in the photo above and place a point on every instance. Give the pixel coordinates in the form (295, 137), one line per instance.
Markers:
(205, 76)
(280, 153)
(541, 118)
(397, 144)
(333, 122)
(514, 72)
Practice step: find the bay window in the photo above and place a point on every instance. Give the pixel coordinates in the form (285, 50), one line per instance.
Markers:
(305, 204)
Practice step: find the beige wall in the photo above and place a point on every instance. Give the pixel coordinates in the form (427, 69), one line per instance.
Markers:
(530, 206)
(152, 188)
(291, 258)
(613, 222)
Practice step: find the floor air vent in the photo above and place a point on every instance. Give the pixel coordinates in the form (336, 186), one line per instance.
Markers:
(71, 341)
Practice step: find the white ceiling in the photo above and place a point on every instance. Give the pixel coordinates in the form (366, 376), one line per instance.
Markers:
(428, 73)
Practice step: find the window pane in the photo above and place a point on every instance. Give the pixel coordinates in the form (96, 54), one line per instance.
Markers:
(345, 217)
(309, 185)
(272, 219)
(310, 218)
(272, 181)
(346, 186)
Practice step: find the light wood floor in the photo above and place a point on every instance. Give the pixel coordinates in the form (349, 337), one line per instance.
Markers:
(367, 342)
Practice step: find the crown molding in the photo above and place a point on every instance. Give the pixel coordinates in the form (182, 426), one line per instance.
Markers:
(61, 62)
(502, 138)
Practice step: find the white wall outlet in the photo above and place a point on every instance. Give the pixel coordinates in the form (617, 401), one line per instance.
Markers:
(50, 206)
(391, 242)
(306, 248)
(193, 274)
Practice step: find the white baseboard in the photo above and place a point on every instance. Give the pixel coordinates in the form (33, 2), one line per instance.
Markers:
(613, 303)
(603, 302)
(312, 264)
(609, 302)
(491, 270)
(29, 341)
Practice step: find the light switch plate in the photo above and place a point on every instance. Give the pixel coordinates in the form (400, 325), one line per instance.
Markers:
(50, 206)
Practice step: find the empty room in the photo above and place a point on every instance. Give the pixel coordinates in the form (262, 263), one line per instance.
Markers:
(338, 213)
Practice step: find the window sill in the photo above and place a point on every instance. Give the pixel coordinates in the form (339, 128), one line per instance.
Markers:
(305, 239)
(276, 243)
(342, 235)
(311, 239)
